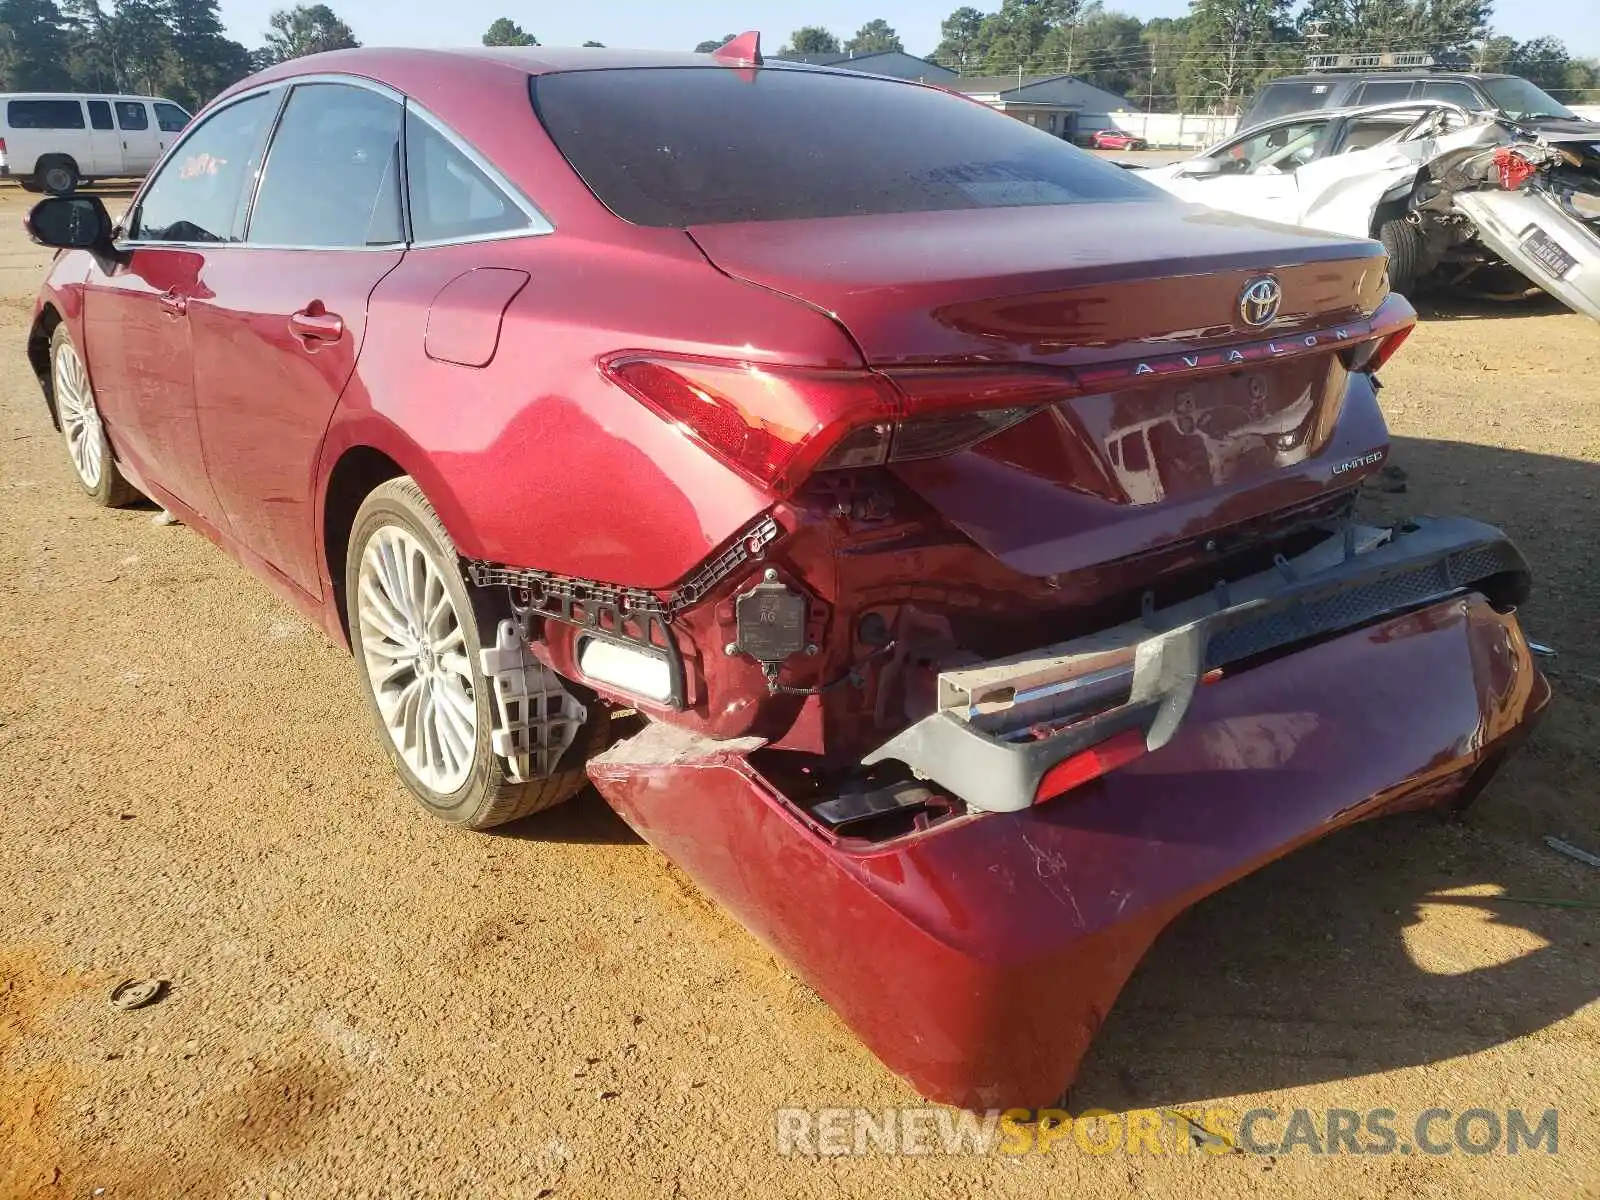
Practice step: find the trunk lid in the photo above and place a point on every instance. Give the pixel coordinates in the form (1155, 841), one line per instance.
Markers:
(1178, 417)
(1063, 285)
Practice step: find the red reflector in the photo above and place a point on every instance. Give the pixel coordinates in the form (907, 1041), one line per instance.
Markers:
(1391, 326)
(1090, 764)
(1386, 349)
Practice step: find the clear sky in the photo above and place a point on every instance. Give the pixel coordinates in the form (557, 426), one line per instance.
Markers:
(650, 24)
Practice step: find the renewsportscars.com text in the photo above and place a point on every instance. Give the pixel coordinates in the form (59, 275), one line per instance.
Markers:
(1214, 1129)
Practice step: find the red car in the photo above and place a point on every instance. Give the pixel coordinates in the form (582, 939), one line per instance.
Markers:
(1115, 139)
(936, 540)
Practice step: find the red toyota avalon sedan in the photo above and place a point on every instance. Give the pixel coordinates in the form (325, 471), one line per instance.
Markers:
(935, 540)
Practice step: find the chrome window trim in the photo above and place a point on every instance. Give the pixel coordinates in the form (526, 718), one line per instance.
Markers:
(538, 225)
(210, 247)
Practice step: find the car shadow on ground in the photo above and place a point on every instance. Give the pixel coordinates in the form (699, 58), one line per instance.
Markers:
(586, 819)
(1461, 306)
(1407, 940)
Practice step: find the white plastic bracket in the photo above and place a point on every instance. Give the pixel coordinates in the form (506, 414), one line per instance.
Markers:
(535, 718)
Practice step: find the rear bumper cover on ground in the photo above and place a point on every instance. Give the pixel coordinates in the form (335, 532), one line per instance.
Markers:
(978, 959)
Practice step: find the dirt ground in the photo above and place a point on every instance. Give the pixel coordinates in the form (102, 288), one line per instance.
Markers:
(366, 1003)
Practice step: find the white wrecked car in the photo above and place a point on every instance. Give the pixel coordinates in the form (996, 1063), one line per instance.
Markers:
(1453, 195)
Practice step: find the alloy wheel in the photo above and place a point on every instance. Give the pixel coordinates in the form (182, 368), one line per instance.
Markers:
(80, 419)
(416, 658)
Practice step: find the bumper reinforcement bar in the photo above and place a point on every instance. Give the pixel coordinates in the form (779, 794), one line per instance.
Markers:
(1001, 725)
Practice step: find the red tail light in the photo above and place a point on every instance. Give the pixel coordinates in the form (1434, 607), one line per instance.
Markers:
(778, 425)
(2, 145)
(1090, 764)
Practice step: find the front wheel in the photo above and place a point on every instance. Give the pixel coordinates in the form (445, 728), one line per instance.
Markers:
(416, 638)
(88, 448)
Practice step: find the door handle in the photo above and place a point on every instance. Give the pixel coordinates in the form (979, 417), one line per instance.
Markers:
(314, 323)
(174, 303)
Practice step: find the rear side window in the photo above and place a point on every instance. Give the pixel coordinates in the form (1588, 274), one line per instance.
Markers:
(707, 145)
(451, 199)
(132, 114)
(45, 114)
(1384, 92)
(1456, 93)
(100, 114)
(197, 196)
(1285, 99)
(333, 174)
(170, 117)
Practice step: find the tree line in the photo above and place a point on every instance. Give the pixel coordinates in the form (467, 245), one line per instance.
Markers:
(1213, 58)
(1218, 55)
(172, 48)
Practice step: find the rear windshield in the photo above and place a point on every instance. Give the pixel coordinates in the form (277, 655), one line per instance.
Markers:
(707, 145)
(1283, 99)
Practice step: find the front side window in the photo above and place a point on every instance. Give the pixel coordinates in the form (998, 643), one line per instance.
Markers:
(451, 199)
(132, 114)
(198, 196)
(1275, 151)
(45, 114)
(332, 177)
(100, 114)
(1518, 98)
(170, 117)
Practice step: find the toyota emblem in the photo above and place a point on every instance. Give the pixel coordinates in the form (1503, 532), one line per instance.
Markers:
(1260, 301)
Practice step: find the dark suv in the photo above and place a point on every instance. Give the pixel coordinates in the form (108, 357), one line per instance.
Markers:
(1508, 94)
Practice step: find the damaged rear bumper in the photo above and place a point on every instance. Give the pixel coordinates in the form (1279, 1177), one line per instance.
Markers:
(1553, 249)
(1002, 725)
(978, 958)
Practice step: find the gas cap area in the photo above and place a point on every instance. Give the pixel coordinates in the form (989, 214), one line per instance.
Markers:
(464, 319)
(769, 622)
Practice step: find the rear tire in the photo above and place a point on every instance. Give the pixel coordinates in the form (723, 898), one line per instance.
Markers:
(1403, 242)
(57, 175)
(88, 448)
(417, 660)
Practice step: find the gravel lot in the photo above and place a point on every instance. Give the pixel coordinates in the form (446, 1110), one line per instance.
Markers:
(366, 1003)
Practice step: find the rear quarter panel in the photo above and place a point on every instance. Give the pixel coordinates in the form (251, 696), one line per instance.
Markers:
(534, 459)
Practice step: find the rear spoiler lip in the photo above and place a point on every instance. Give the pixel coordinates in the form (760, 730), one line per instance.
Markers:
(1329, 589)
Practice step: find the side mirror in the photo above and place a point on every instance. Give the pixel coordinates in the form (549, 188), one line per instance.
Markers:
(70, 223)
(1201, 168)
